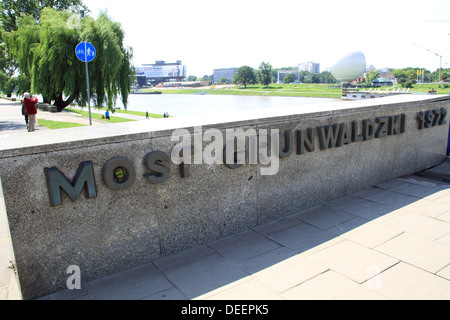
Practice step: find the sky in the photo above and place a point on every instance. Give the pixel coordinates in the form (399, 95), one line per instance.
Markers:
(207, 35)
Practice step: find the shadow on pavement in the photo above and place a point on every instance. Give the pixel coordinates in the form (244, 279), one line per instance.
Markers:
(9, 126)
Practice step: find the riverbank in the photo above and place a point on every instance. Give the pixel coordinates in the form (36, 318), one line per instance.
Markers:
(289, 90)
(281, 90)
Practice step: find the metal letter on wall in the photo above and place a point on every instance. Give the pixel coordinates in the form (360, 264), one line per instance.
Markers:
(368, 129)
(233, 156)
(118, 173)
(57, 181)
(154, 161)
(185, 170)
(328, 136)
(305, 140)
(288, 139)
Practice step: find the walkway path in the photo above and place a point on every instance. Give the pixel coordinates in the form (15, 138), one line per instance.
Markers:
(12, 120)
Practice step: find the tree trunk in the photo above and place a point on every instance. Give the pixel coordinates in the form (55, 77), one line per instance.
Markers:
(60, 103)
(46, 100)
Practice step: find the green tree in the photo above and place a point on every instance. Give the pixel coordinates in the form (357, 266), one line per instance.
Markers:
(111, 71)
(327, 77)
(244, 76)
(435, 75)
(289, 78)
(20, 44)
(407, 84)
(55, 71)
(304, 76)
(12, 10)
(7, 84)
(398, 73)
(207, 78)
(411, 74)
(405, 74)
(6, 63)
(264, 75)
(372, 75)
(274, 74)
(315, 78)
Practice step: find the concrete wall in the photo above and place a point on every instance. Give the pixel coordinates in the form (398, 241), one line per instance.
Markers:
(9, 281)
(105, 231)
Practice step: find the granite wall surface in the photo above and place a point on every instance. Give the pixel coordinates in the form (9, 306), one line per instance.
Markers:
(110, 225)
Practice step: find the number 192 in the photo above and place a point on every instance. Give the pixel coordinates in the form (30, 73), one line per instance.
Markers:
(431, 118)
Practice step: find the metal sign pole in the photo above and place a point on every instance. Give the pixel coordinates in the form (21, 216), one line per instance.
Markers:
(86, 57)
(87, 82)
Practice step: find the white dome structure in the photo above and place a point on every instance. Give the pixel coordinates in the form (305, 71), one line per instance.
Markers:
(350, 67)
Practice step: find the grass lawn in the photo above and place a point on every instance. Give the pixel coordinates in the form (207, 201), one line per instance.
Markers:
(118, 111)
(137, 113)
(424, 88)
(58, 124)
(98, 116)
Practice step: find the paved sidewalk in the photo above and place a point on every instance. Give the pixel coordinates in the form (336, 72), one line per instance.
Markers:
(12, 120)
(391, 241)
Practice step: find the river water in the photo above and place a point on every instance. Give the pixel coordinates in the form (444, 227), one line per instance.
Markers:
(193, 104)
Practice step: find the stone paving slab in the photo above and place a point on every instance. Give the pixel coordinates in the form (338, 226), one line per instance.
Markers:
(330, 285)
(408, 282)
(353, 260)
(418, 251)
(348, 250)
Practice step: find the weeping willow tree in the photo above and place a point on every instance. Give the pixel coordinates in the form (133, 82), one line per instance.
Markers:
(45, 51)
(21, 43)
(112, 71)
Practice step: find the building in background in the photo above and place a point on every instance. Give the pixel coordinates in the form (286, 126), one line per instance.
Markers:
(283, 73)
(309, 66)
(161, 71)
(227, 73)
(382, 82)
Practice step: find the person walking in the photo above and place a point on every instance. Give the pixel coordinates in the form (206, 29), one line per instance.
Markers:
(25, 115)
(107, 115)
(30, 110)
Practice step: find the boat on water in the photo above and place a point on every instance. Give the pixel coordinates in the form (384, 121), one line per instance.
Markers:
(357, 94)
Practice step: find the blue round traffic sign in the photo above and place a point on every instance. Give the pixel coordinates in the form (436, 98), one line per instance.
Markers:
(85, 51)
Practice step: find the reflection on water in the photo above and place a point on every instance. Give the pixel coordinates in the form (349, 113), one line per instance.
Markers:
(190, 104)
